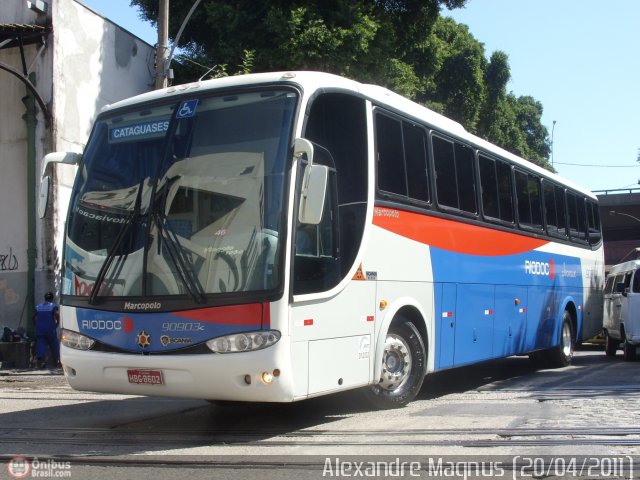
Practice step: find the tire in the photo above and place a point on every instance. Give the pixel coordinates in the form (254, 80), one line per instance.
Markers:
(404, 365)
(610, 345)
(563, 354)
(540, 359)
(628, 351)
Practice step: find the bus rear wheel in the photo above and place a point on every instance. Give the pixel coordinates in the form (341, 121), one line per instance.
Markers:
(403, 367)
(560, 355)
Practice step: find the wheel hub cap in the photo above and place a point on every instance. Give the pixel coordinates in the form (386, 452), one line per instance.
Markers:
(396, 363)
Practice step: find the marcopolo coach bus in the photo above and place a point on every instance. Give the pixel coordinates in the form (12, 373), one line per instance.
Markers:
(274, 237)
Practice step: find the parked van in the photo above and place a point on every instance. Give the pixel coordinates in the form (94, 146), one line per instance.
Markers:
(621, 319)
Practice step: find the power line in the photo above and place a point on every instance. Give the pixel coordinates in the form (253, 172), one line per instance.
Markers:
(598, 166)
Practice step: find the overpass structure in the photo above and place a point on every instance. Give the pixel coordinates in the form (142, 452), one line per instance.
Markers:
(620, 216)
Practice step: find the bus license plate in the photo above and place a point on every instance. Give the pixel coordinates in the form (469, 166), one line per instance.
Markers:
(145, 377)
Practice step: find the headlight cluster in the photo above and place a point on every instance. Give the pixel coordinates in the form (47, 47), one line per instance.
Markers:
(244, 342)
(75, 340)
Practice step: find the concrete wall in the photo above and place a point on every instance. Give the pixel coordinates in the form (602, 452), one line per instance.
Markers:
(88, 62)
(13, 162)
(13, 228)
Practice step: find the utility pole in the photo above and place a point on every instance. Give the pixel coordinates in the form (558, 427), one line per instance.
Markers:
(162, 48)
(553, 129)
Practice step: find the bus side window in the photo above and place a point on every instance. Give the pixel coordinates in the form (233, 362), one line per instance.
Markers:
(443, 159)
(577, 217)
(401, 149)
(495, 185)
(529, 200)
(392, 174)
(455, 175)
(593, 223)
(561, 206)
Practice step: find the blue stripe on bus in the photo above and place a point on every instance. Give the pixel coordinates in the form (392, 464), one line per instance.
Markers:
(166, 331)
(491, 307)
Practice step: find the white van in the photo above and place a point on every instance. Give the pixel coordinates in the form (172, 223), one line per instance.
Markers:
(621, 319)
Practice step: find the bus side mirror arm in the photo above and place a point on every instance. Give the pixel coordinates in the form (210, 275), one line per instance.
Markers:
(314, 185)
(69, 158)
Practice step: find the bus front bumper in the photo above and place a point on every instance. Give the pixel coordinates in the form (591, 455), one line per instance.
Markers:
(259, 376)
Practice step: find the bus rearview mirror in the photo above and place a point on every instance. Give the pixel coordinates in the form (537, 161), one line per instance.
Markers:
(313, 194)
(70, 158)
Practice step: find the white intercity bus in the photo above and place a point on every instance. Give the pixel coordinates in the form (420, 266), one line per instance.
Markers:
(274, 237)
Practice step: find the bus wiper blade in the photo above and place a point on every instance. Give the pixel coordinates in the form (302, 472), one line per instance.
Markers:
(178, 257)
(104, 268)
(122, 234)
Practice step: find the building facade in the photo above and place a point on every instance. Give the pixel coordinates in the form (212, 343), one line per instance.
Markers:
(60, 63)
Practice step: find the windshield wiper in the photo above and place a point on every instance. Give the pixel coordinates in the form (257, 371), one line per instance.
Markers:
(132, 219)
(178, 257)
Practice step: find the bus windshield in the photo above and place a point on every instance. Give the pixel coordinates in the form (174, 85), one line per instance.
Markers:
(182, 199)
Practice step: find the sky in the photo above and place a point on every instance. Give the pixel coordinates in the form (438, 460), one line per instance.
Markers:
(578, 58)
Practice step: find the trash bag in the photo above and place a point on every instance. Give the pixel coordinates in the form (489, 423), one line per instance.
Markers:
(7, 335)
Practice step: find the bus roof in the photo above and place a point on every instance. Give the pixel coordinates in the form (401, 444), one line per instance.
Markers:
(312, 81)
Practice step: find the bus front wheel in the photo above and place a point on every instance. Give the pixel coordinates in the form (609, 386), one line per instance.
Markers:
(403, 367)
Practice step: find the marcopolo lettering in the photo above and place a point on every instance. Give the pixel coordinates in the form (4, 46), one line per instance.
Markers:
(546, 269)
(142, 306)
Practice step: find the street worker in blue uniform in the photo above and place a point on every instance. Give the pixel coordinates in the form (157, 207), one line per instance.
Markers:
(47, 318)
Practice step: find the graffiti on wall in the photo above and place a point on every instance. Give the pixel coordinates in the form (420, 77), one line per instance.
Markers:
(8, 261)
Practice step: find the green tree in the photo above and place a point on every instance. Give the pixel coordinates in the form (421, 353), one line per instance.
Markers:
(364, 39)
(451, 69)
(513, 123)
(404, 45)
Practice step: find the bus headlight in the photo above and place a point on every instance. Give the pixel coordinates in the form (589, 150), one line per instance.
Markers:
(244, 342)
(75, 340)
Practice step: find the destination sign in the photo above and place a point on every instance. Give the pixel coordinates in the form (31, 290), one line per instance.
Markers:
(138, 131)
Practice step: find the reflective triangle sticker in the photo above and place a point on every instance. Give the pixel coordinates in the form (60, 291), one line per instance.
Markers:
(359, 275)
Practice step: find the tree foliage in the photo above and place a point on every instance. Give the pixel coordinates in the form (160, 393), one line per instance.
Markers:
(404, 45)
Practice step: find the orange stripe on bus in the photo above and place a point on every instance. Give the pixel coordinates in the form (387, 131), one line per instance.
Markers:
(453, 236)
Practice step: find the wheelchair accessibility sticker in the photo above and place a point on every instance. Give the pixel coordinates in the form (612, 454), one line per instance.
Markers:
(187, 108)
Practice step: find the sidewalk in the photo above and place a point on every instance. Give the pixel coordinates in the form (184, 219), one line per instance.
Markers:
(6, 372)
